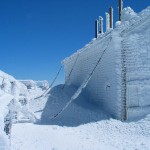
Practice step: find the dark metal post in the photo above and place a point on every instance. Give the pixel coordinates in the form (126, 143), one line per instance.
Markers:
(120, 8)
(111, 17)
(96, 28)
(100, 25)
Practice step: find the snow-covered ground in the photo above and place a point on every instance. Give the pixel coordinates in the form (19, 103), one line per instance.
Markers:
(102, 135)
(80, 127)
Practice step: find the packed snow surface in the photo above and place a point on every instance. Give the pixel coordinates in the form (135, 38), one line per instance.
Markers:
(80, 127)
(102, 135)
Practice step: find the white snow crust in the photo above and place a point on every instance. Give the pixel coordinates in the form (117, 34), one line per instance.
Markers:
(80, 127)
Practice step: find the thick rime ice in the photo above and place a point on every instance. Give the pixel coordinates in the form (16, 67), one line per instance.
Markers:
(120, 83)
(14, 101)
(107, 22)
(127, 14)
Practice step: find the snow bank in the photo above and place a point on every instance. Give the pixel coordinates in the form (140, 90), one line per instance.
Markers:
(127, 14)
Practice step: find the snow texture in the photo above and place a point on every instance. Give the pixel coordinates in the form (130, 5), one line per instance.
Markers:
(107, 22)
(120, 83)
(83, 126)
(14, 99)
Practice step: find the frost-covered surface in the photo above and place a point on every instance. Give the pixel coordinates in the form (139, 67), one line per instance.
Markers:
(80, 127)
(126, 59)
(10, 89)
(128, 13)
(137, 45)
(4, 101)
(35, 88)
(13, 93)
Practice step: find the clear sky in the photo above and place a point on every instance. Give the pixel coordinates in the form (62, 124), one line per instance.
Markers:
(35, 35)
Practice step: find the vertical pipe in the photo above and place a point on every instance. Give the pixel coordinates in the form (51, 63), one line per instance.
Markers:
(107, 22)
(101, 25)
(96, 28)
(120, 8)
(111, 17)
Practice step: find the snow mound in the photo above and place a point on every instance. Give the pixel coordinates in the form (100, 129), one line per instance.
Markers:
(79, 112)
(128, 13)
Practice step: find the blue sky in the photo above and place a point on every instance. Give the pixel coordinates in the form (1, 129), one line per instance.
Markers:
(35, 35)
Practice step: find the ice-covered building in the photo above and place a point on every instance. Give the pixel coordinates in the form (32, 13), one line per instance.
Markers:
(119, 61)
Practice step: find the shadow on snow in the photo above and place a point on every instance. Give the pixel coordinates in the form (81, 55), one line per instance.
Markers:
(79, 112)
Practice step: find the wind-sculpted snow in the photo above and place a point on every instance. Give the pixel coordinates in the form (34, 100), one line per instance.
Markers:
(10, 89)
(79, 112)
(14, 99)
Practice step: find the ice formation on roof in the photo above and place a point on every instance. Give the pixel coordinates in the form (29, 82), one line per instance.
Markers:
(128, 13)
(130, 18)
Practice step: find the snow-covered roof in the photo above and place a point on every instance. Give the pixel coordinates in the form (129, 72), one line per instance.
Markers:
(130, 20)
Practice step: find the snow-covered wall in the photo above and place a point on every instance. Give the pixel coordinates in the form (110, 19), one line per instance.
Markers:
(121, 81)
(137, 46)
(104, 87)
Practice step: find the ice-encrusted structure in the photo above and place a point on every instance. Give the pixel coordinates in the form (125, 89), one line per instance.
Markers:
(120, 83)
(14, 100)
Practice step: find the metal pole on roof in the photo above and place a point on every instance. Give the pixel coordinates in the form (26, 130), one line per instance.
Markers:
(111, 17)
(107, 22)
(101, 25)
(120, 8)
(96, 28)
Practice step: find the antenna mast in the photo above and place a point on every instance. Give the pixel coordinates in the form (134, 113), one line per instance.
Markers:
(120, 8)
